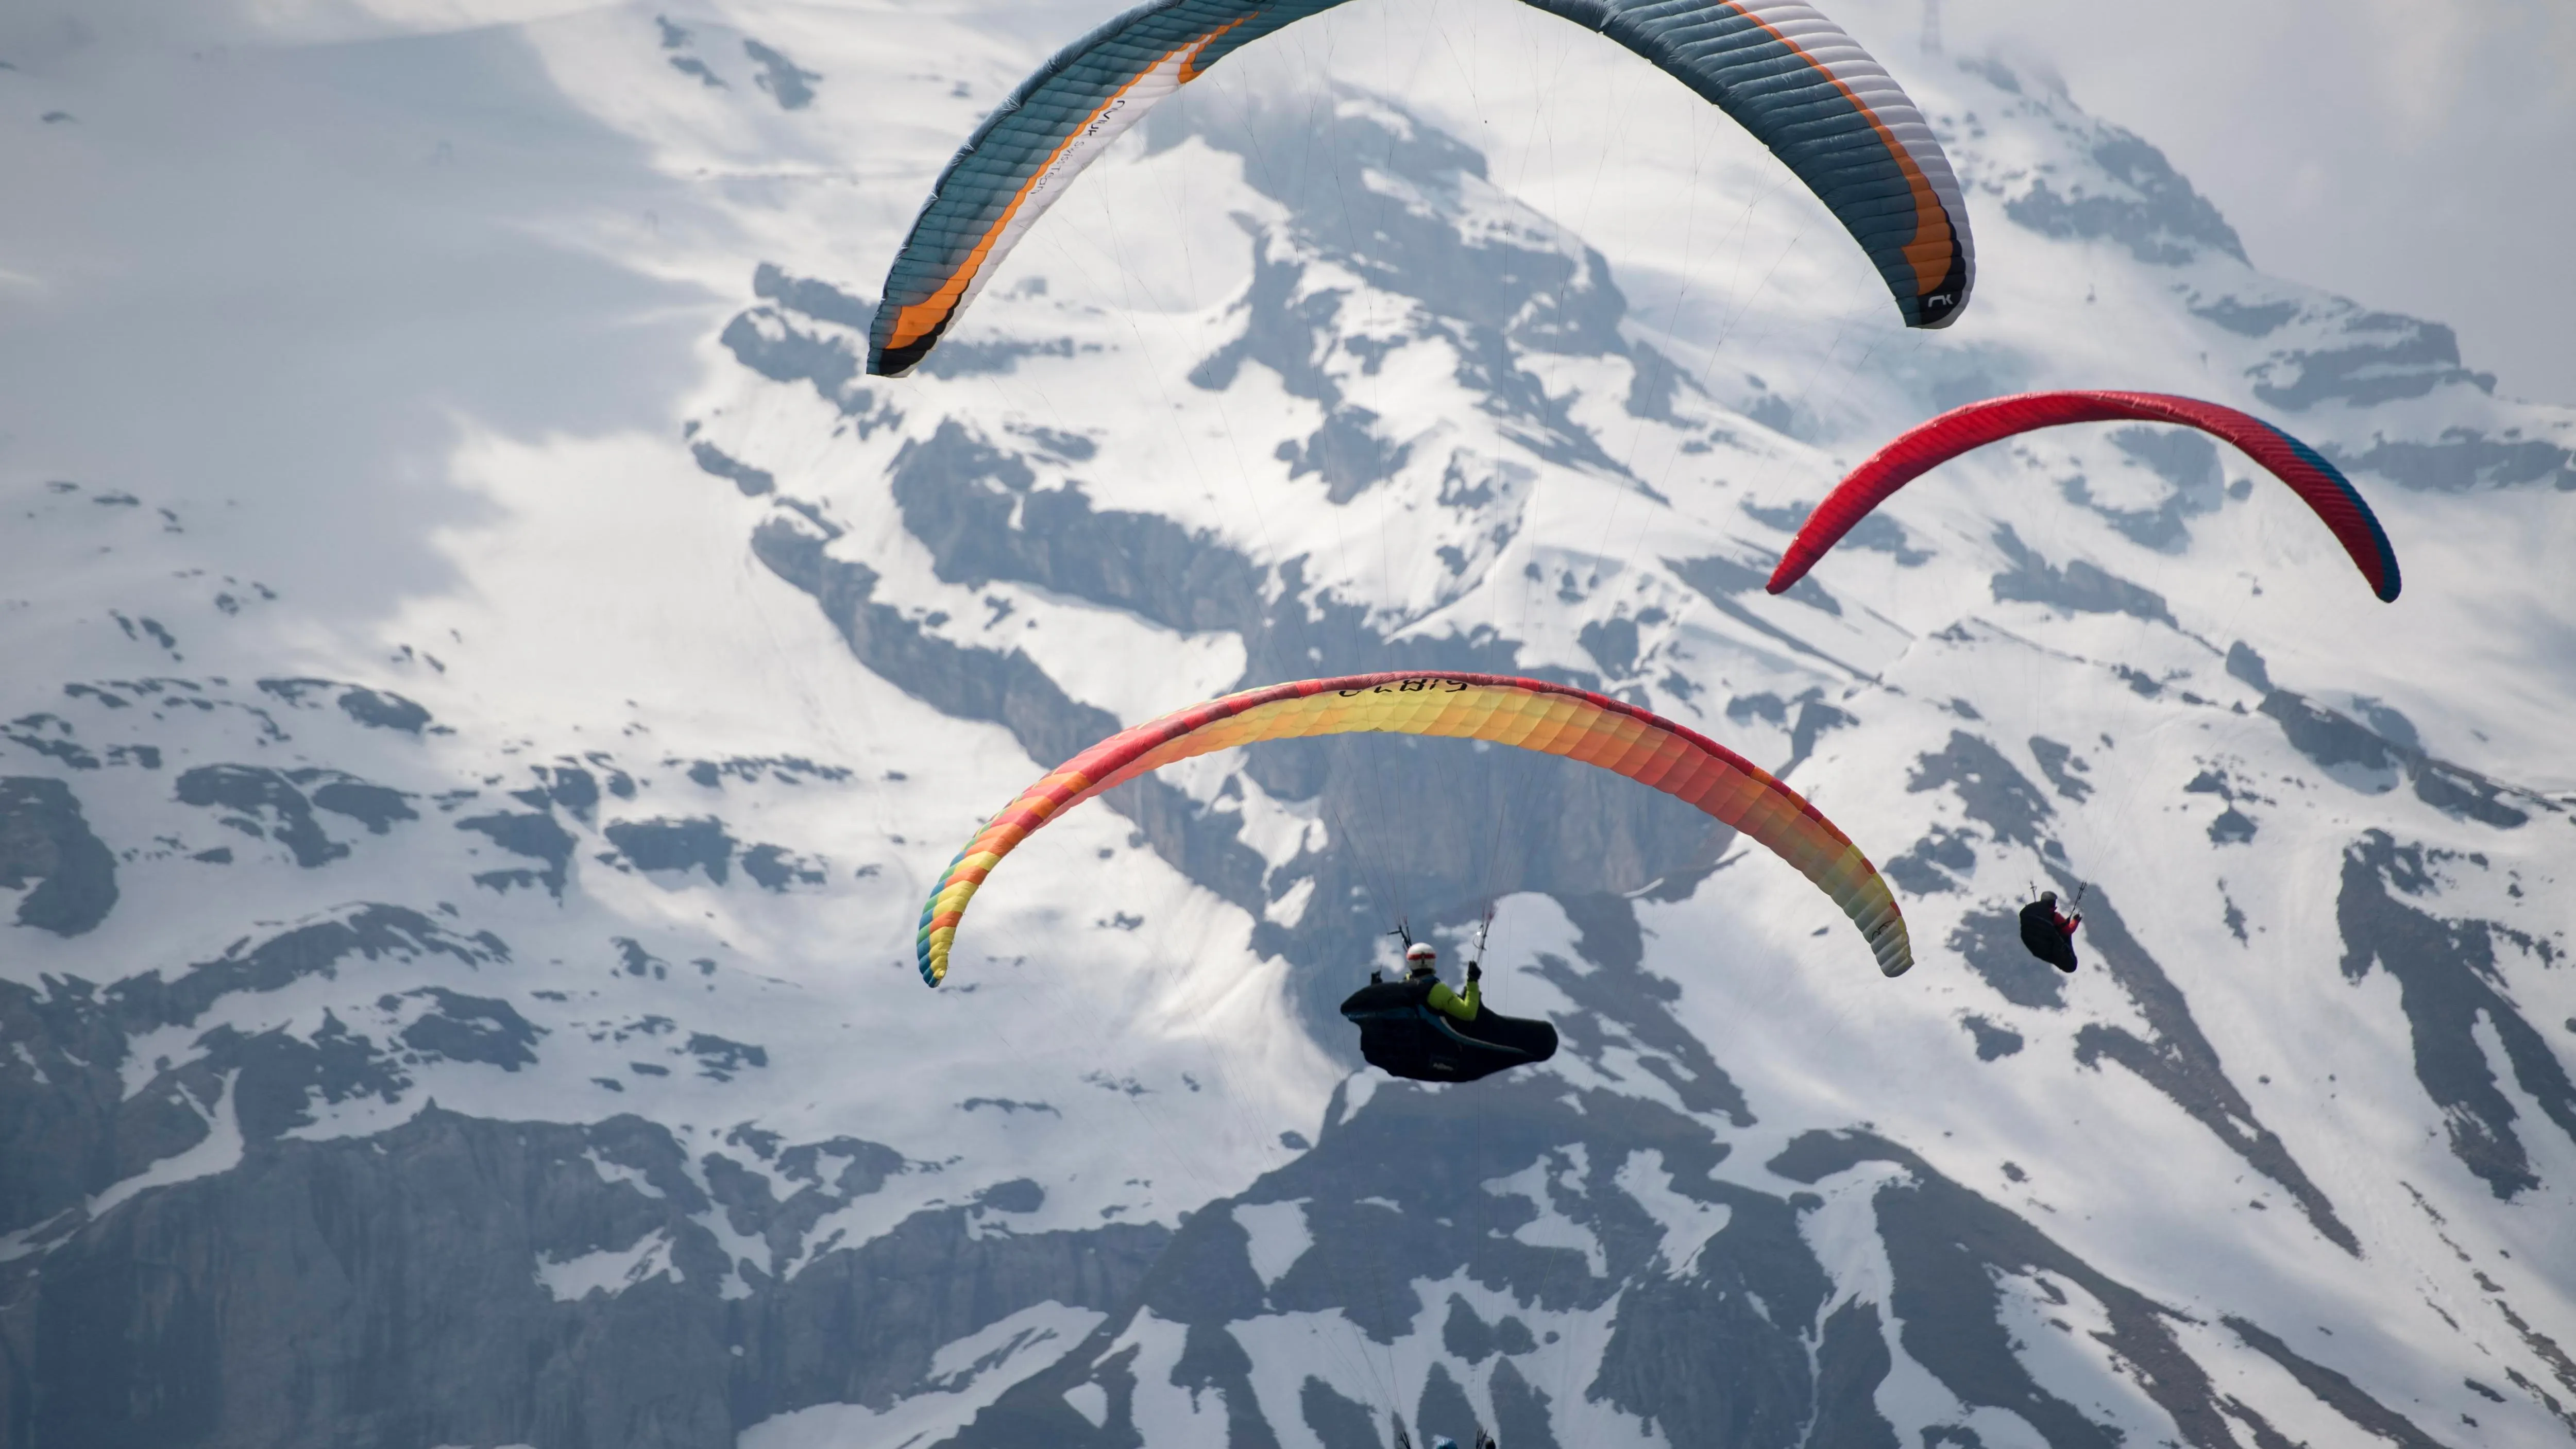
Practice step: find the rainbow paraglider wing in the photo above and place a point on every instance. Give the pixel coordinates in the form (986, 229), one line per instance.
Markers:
(1790, 76)
(1529, 714)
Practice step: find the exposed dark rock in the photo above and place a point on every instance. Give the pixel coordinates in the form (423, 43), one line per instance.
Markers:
(720, 1059)
(2384, 356)
(791, 85)
(775, 867)
(1990, 942)
(1338, 1422)
(370, 932)
(70, 1130)
(268, 804)
(1654, 384)
(51, 736)
(310, 1298)
(1618, 993)
(46, 843)
(1815, 717)
(2186, 460)
(983, 518)
(1465, 1334)
(535, 835)
(63, 1100)
(2063, 767)
(1613, 644)
(2245, 664)
(1876, 532)
(1396, 1192)
(1486, 291)
(763, 340)
(2080, 587)
(1990, 788)
(664, 844)
(2448, 982)
(970, 358)
(2176, 1058)
(373, 806)
(2342, 748)
(2368, 760)
(1719, 580)
(1019, 1195)
(383, 709)
(780, 769)
(2232, 827)
(1925, 869)
(751, 482)
(570, 786)
(2462, 461)
(2150, 209)
(2248, 319)
(2466, 794)
(1851, 1362)
(819, 300)
(470, 1029)
(1993, 1042)
(2336, 1391)
(1522, 1414)
(374, 708)
(275, 1076)
(1444, 1411)
(1953, 1253)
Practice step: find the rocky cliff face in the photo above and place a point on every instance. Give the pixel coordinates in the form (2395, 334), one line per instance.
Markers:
(493, 1022)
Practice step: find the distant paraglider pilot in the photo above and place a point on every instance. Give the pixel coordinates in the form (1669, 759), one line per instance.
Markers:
(2050, 933)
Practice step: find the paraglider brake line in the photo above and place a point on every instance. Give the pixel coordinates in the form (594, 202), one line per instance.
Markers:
(1403, 932)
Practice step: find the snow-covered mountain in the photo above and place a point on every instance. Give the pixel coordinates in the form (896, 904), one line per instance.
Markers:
(465, 799)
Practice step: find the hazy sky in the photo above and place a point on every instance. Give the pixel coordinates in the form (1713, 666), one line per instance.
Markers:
(2418, 157)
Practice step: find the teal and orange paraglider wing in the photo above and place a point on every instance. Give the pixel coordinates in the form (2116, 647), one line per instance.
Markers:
(1793, 78)
(1529, 714)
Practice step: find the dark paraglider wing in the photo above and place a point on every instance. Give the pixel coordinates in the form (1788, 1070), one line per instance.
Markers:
(1529, 714)
(1789, 75)
(1918, 451)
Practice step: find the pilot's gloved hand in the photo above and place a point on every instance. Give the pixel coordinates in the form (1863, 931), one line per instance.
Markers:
(1475, 971)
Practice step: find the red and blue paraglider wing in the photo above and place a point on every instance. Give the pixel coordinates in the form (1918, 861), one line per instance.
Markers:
(1918, 451)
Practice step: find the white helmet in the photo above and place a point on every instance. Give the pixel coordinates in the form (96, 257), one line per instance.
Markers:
(1421, 951)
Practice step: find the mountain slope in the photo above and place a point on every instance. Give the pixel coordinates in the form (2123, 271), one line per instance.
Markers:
(477, 1006)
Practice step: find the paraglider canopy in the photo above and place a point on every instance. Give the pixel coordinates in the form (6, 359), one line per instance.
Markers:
(1529, 714)
(1919, 450)
(1793, 78)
